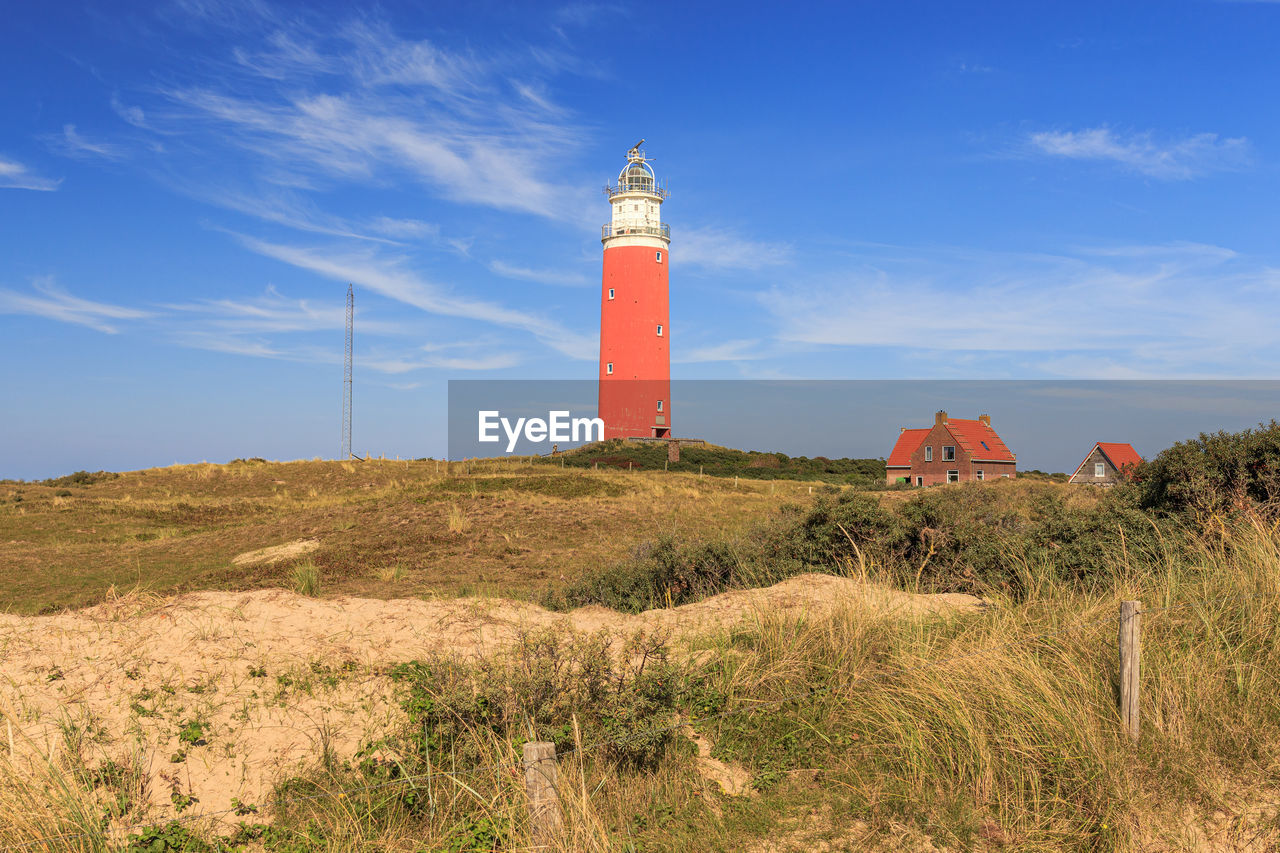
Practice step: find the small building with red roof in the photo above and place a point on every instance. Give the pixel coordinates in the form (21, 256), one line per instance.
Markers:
(951, 451)
(1106, 464)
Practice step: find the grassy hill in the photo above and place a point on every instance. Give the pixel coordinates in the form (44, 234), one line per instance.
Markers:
(383, 528)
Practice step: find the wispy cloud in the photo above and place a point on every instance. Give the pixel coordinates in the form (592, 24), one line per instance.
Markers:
(1169, 159)
(234, 346)
(721, 249)
(404, 229)
(130, 113)
(361, 104)
(14, 175)
(394, 278)
(73, 144)
(273, 312)
(581, 14)
(252, 341)
(285, 207)
(489, 361)
(561, 278)
(54, 303)
(735, 350)
(1132, 311)
(222, 14)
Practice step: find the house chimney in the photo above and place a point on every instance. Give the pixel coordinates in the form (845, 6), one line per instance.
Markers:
(904, 429)
(940, 418)
(985, 420)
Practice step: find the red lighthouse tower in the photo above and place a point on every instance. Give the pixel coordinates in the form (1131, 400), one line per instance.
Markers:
(635, 359)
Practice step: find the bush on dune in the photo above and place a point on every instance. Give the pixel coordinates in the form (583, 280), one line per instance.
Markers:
(976, 538)
(1215, 475)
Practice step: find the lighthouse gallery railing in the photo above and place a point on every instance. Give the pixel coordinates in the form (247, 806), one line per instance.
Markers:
(663, 231)
(644, 187)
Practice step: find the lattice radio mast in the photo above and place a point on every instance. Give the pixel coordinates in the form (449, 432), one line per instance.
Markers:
(346, 376)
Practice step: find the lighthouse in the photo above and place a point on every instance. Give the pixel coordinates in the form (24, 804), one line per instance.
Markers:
(635, 335)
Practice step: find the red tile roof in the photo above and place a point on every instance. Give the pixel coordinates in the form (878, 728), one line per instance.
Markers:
(1119, 454)
(980, 440)
(907, 443)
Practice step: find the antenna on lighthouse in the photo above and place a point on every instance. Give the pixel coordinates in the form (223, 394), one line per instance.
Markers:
(634, 153)
(346, 376)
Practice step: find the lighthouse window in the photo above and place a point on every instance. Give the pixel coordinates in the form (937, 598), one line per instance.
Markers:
(659, 330)
(659, 405)
(608, 368)
(659, 256)
(611, 293)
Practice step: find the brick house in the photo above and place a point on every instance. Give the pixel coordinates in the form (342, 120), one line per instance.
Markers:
(950, 451)
(1107, 464)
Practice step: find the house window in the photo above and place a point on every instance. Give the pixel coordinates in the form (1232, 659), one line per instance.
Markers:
(948, 453)
(659, 330)
(1006, 476)
(611, 293)
(608, 368)
(1099, 469)
(928, 454)
(953, 476)
(659, 256)
(978, 474)
(919, 481)
(659, 405)
(984, 445)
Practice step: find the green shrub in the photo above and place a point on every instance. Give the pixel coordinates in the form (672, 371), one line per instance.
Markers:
(973, 537)
(306, 579)
(726, 462)
(660, 573)
(535, 690)
(173, 836)
(81, 478)
(1215, 475)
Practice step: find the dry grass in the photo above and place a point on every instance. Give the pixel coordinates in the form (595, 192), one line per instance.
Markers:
(526, 526)
(961, 730)
(1016, 745)
(964, 730)
(458, 521)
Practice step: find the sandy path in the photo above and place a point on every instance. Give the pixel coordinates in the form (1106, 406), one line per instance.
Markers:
(276, 675)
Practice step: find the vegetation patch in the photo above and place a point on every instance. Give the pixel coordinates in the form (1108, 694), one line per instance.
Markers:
(725, 462)
(551, 485)
(617, 694)
(81, 478)
(976, 538)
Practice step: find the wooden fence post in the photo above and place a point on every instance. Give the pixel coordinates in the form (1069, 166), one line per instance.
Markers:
(544, 799)
(1130, 665)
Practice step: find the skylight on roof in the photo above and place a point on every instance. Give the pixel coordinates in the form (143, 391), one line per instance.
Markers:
(984, 445)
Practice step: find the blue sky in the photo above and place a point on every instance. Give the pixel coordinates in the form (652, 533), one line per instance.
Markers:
(871, 191)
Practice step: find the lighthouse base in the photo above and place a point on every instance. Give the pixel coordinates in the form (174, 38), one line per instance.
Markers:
(635, 408)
